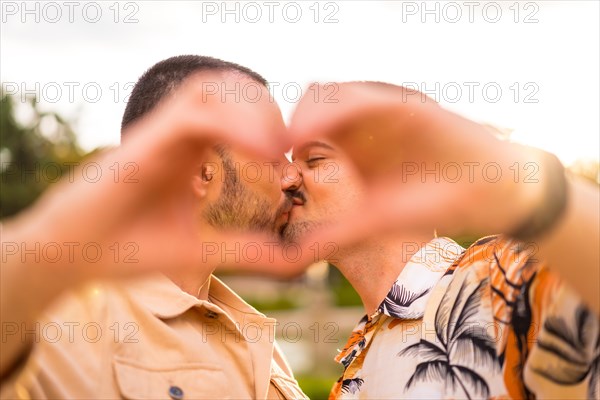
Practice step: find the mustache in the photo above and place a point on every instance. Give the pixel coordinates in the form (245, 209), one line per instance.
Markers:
(296, 194)
(288, 201)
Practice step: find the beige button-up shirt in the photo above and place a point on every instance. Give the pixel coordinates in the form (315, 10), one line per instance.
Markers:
(148, 339)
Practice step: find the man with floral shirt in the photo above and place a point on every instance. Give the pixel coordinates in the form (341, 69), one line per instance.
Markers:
(490, 321)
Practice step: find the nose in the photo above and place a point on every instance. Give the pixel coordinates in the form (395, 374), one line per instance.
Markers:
(291, 177)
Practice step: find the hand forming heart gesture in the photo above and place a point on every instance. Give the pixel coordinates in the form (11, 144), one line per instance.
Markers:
(425, 168)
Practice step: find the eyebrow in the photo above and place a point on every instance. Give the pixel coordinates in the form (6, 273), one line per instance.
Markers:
(313, 143)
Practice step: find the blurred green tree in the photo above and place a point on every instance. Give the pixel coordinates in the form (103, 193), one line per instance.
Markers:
(33, 154)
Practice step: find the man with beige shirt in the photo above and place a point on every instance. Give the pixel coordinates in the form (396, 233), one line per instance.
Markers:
(178, 332)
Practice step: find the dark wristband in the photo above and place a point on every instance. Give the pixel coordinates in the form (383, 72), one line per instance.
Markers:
(554, 202)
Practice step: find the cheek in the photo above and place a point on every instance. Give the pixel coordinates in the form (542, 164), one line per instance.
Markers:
(270, 186)
(336, 196)
(264, 181)
(323, 198)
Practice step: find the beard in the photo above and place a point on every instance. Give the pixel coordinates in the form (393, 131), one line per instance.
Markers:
(293, 232)
(239, 208)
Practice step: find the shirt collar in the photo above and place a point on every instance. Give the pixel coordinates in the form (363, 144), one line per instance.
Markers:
(407, 298)
(408, 295)
(163, 298)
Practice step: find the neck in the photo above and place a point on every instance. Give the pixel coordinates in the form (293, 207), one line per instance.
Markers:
(195, 283)
(373, 266)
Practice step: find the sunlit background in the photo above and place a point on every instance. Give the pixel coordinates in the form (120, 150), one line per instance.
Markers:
(546, 64)
(528, 68)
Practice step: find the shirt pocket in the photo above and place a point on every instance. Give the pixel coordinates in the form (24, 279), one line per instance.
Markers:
(137, 381)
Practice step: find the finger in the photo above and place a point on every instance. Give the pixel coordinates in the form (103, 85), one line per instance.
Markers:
(257, 253)
(252, 122)
(320, 112)
(418, 210)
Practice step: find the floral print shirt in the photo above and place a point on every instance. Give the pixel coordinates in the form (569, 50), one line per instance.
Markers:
(489, 321)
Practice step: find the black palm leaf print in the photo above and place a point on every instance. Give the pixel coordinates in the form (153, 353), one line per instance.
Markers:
(521, 324)
(398, 300)
(463, 346)
(351, 385)
(520, 320)
(577, 346)
(346, 361)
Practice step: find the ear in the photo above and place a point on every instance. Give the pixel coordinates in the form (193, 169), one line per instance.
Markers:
(201, 181)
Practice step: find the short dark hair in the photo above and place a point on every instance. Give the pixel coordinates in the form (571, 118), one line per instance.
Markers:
(165, 76)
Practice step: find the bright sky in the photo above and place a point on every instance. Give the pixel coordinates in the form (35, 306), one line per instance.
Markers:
(529, 66)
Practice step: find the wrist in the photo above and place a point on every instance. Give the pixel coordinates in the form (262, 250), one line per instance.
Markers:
(544, 201)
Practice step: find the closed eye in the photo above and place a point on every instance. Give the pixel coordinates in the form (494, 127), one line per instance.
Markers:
(312, 162)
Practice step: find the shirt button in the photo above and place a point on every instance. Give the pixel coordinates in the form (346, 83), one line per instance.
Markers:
(176, 393)
(211, 314)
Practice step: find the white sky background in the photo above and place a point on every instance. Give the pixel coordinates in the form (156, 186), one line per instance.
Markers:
(554, 60)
